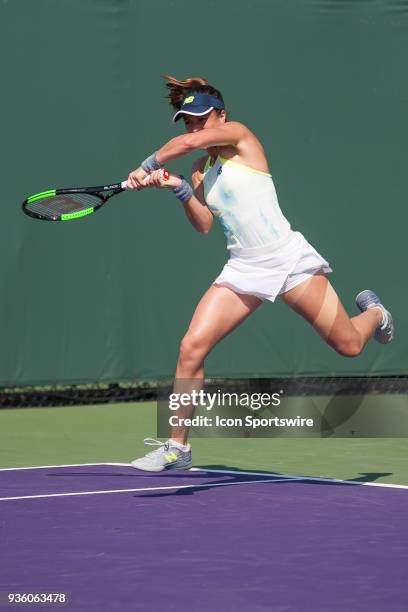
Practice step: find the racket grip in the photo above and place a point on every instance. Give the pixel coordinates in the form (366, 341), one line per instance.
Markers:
(124, 184)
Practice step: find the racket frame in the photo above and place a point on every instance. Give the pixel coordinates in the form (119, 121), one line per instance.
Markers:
(97, 192)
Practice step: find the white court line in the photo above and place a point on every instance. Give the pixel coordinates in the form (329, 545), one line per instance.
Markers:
(237, 472)
(195, 486)
(44, 467)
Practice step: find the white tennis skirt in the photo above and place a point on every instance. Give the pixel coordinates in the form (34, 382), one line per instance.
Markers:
(267, 272)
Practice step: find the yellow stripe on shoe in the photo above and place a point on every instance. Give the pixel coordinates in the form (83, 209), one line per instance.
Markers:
(171, 457)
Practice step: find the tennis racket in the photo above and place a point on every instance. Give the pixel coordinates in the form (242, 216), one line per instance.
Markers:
(73, 202)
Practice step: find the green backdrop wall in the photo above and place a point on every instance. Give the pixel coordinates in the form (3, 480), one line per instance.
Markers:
(323, 85)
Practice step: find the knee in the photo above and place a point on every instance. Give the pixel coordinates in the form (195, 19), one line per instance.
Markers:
(192, 348)
(349, 346)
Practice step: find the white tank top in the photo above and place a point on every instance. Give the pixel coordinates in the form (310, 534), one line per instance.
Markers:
(246, 204)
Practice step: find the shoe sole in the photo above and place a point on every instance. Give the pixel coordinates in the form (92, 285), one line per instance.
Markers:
(163, 468)
(357, 298)
(177, 468)
(137, 467)
(390, 319)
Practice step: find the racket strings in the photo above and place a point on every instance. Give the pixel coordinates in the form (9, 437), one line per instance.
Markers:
(59, 205)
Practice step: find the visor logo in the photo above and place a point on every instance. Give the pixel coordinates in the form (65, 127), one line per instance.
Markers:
(188, 100)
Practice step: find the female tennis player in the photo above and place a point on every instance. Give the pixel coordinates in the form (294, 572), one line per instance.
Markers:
(267, 258)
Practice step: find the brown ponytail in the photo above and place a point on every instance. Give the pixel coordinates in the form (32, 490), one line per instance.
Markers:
(178, 90)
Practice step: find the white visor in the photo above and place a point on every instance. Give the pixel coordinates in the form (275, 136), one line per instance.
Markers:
(196, 114)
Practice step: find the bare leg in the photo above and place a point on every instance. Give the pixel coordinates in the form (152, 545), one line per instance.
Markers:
(219, 311)
(316, 301)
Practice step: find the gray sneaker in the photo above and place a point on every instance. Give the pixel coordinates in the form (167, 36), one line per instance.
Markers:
(385, 331)
(166, 457)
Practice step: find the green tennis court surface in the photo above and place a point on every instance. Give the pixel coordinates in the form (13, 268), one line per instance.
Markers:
(115, 432)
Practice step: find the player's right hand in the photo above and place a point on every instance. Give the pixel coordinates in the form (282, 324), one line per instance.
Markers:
(135, 179)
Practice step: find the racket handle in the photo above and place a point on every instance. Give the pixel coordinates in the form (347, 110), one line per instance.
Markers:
(124, 184)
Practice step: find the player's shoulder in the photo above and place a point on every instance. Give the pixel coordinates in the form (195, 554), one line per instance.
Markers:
(199, 164)
(237, 125)
(241, 133)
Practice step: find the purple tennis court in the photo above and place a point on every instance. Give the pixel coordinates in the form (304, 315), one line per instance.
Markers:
(116, 539)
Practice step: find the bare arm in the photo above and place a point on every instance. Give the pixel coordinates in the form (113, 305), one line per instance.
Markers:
(196, 208)
(230, 133)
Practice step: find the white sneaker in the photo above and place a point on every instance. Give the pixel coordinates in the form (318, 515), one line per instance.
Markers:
(166, 457)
